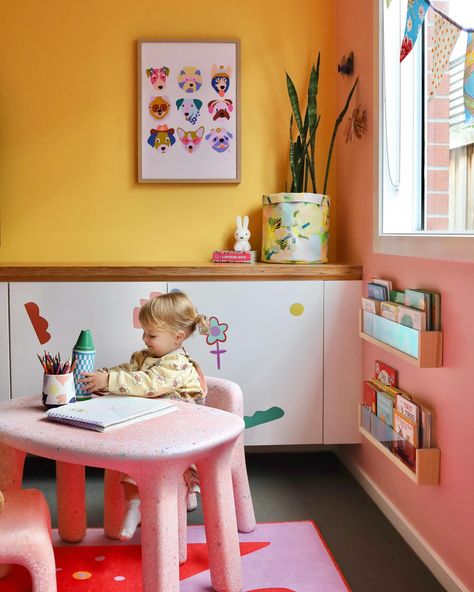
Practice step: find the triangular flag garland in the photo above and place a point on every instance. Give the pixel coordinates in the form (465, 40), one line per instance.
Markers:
(444, 40)
(445, 37)
(416, 12)
(469, 80)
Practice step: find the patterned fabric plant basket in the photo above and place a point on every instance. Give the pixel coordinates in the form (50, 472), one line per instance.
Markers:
(295, 228)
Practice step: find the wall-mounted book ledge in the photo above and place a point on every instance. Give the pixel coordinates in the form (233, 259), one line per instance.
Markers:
(421, 465)
(421, 348)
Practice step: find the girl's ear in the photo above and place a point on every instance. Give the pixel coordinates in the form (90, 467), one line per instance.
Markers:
(180, 335)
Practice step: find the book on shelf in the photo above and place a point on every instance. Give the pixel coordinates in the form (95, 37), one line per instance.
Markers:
(389, 311)
(109, 411)
(385, 405)
(412, 317)
(407, 407)
(371, 305)
(386, 374)
(234, 257)
(370, 396)
(405, 428)
(397, 296)
(377, 291)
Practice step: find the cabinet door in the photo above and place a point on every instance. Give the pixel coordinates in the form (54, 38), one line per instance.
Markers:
(342, 361)
(272, 346)
(56, 313)
(4, 344)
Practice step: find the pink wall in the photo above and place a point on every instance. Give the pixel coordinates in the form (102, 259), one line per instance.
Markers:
(443, 515)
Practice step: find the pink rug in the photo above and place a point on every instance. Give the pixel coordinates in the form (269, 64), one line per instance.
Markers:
(277, 557)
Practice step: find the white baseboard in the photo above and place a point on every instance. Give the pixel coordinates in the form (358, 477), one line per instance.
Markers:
(411, 536)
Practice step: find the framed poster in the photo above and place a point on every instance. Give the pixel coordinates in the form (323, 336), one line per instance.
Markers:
(188, 111)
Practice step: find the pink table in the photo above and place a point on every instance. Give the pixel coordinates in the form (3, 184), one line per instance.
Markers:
(155, 452)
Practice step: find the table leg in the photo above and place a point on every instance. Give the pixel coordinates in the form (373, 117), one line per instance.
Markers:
(159, 529)
(219, 520)
(71, 498)
(11, 467)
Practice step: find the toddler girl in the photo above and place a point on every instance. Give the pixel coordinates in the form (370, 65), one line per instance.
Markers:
(163, 369)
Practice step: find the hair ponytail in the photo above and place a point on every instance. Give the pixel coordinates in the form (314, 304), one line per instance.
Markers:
(202, 324)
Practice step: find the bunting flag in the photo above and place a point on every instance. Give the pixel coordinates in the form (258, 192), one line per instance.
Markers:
(445, 36)
(469, 80)
(416, 12)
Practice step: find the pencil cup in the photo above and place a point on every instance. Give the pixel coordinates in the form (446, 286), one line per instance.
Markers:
(58, 389)
(84, 358)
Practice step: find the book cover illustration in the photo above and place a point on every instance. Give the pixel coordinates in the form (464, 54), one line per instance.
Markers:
(412, 317)
(377, 291)
(381, 282)
(385, 404)
(370, 396)
(397, 296)
(389, 311)
(408, 408)
(386, 374)
(405, 428)
(415, 299)
(371, 305)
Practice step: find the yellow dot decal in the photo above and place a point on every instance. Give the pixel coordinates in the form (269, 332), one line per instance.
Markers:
(82, 575)
(296, 309)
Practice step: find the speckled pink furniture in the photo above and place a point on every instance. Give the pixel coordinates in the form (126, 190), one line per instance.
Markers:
(155, 452)
(25, 537)
(227, 396)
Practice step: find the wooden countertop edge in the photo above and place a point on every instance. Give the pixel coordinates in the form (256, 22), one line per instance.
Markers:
(185, 271)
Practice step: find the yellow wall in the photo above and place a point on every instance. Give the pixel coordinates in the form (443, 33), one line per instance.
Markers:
(68, 92)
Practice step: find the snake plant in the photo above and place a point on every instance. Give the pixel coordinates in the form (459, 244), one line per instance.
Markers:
(302, 150)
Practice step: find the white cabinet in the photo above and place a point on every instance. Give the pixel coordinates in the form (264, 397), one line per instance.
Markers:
(293, 346)
(4, 344)
(63, 309)
(273, 348)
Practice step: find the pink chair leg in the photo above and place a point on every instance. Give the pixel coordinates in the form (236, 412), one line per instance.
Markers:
(114, 503)
(243, 498)
(160, 543)
(11, 467)
(220, 521)
(182, 521)
(42, 567)
(71, 497)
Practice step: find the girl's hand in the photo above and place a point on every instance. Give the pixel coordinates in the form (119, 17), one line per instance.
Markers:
(94, 381)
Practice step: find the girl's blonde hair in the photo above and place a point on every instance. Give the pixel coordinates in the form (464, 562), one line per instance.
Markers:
(175, 312)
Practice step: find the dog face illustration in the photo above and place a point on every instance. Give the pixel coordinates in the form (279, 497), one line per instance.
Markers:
(190, 108)
(161, 138)
(158, 77)
(159, 107)
(192, 139)
(220, 108)
(220, 79)
(190, 79)
(219, 139)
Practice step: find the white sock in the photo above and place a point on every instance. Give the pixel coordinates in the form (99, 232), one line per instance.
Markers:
(132, 519)
(191, 502)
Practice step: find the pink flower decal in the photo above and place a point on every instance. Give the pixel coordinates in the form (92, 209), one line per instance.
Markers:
(136, 310)
(217, 331)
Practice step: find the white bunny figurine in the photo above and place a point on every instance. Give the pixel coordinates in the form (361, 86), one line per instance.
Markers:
(242, 235)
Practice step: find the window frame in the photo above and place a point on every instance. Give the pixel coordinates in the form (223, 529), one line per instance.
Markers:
(423, 243)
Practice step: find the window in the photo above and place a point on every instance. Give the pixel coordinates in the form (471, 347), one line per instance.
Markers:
(426, 175)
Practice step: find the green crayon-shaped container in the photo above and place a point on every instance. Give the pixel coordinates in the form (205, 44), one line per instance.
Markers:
(83, 354)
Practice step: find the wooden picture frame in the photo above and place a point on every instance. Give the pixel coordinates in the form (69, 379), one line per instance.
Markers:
(188, 111)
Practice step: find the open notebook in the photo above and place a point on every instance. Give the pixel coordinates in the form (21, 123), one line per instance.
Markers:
(109, 411)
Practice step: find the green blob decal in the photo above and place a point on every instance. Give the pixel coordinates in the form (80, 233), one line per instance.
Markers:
(260, 417)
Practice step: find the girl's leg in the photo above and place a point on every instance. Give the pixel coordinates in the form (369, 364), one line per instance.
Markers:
(133, 516)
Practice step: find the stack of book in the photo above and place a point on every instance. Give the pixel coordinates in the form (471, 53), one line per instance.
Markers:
(393, 416)
(415, 308)
(234, 257)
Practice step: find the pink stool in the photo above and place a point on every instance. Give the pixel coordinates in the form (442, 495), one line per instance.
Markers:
(25, 537)
(227, 396)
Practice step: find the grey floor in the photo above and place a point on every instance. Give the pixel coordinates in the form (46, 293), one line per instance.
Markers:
(301, 486)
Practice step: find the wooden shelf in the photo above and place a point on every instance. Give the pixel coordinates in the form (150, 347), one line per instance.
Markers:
(427, 461)
(430, 346)
(181, 272)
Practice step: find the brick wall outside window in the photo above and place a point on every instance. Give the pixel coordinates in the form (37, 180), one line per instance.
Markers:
(437, 142)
